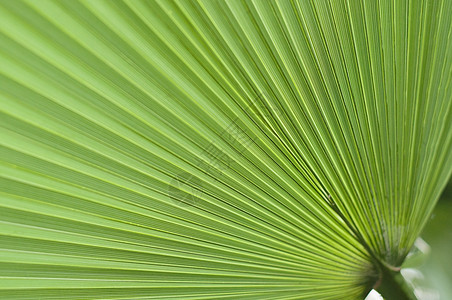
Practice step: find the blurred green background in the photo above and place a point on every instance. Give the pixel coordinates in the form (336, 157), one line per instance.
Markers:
(437, 267)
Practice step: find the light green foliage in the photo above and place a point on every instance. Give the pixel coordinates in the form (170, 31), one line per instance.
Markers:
(218, 149)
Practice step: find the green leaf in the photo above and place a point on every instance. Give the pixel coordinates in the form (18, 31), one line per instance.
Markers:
(218, 149)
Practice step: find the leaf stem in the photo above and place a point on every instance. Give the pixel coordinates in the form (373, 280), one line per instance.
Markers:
(392, 285)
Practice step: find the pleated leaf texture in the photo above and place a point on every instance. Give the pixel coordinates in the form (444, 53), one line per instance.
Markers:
(218, 149)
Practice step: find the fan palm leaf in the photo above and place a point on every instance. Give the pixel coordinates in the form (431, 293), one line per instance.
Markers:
(218, 149)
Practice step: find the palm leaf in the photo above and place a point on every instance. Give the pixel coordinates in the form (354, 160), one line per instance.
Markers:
(218, 149)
